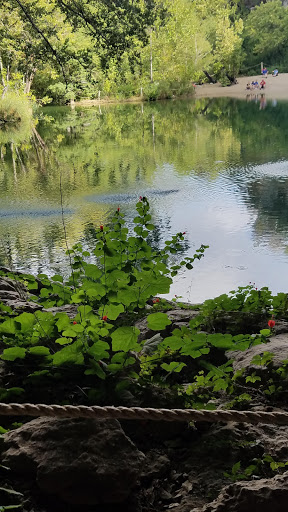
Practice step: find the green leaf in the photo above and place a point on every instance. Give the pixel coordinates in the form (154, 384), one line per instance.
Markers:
(58, 278)
(99, 350)
(173, 342)
(39, 351)
(10, 354)
(26, 320)
(63, 341)
(265, 332)
(158, 321)
(222, 341)
(92, 271)
(173, 367)
(63, 321)
(70, 354)
(8, 327)
(125, 339)
(111, 310)
(96, 370)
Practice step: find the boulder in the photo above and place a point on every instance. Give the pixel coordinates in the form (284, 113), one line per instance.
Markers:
(278, 345)
(12, 289)
(83, 462)
(69, 309)
(261, 495)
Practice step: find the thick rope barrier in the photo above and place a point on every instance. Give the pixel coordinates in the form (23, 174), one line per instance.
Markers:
(138, 413)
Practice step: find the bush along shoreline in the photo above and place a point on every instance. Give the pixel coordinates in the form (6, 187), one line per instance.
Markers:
(104, 337)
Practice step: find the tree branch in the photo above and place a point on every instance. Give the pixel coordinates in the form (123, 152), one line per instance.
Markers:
(53, 51)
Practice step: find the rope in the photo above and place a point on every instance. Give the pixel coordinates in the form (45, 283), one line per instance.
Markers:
(138, 413)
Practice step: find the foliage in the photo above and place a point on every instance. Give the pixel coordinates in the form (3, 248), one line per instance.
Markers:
(108, 295)
(267, 45)
(263, 467)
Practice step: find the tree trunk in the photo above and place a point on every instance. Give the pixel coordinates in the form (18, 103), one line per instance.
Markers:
(211, 80)
(29, 80)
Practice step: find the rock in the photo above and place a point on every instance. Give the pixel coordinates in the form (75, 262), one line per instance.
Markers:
(83, 462)
(278, 345)
(69, 309)
(10, 289)
(182, 315)
(22, 305)
(261, 495)
(155, 466)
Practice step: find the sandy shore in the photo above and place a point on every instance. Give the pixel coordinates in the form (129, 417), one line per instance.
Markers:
(276, 88)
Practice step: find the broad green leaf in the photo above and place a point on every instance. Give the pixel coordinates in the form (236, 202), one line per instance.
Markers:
(10, 354)
(26, 320)
(57, 277)
(173, 367)
(222, 341)
(39, 351)
(158, 321)
(111, 310)
(63, 341)
(173, 342)
(63, 321)
(96, 370)
(92, 271)
(125, 339)
(73, 331)
(8, 327)
(99, 350)
(70, 354)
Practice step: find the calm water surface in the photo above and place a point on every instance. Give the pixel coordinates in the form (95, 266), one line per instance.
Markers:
(217, 169)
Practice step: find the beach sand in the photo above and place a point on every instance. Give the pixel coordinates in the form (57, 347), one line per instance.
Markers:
(276, 88)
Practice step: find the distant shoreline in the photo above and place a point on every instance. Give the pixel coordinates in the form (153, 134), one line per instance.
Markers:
(276, 88)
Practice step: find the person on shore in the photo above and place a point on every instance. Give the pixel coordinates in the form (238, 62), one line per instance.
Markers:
(248, 86)
(262, 84)
(275, 72)
(265, 71)
(256, 84)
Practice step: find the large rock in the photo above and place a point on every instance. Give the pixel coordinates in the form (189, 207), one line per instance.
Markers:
(265, 495)
(84, 462)
(278, 345)
(11, 289)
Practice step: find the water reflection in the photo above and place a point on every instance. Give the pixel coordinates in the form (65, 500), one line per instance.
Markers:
(215, 168)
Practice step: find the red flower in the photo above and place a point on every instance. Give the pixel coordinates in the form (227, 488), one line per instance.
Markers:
(184, 233)
(105, 318)
(156, 300)
(101, 227)
(74, 323)
(271, 324)
(118, 209)
(140, 198)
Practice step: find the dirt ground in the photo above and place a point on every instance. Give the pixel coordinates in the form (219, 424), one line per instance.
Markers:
(276, 88)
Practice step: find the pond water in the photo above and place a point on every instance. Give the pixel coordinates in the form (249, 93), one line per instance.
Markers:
(215, 168)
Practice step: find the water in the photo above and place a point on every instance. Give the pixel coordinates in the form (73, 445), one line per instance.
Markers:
(217, 169)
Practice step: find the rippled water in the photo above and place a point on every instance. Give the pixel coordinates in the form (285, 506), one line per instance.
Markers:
(217, 169)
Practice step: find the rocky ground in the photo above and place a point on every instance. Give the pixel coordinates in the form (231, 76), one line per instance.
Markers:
(141, 466)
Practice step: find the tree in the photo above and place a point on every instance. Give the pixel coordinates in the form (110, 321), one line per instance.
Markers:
(266, 33)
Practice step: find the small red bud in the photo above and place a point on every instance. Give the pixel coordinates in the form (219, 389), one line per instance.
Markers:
(101, 227)
(271, 324)
(140, 198)
(74, 323)
(184, 233)
(118, 209)
(105, 318)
